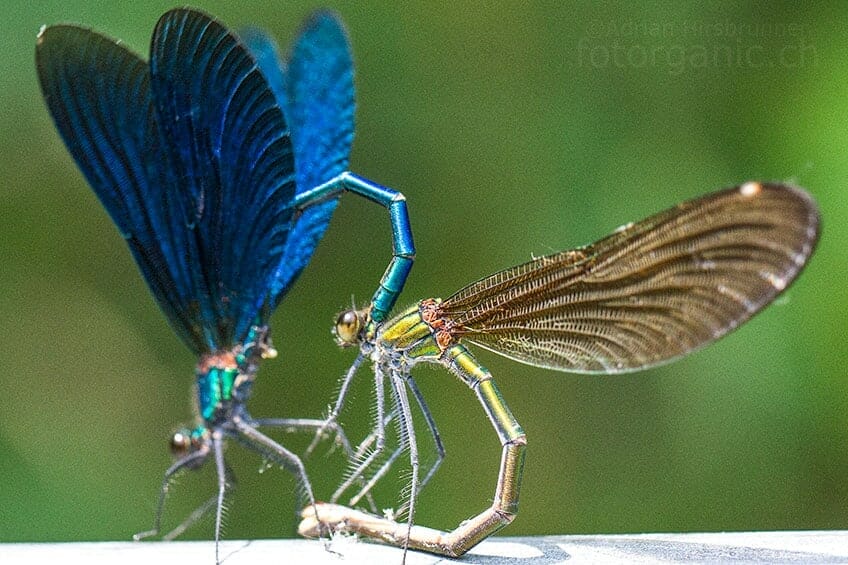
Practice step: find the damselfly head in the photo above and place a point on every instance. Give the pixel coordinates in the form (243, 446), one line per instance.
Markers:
(180, 443)
(348, 327)
(185, 441)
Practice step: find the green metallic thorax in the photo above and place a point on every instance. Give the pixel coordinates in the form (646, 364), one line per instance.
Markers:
(224, 377)
(410, 334)
(215, 390)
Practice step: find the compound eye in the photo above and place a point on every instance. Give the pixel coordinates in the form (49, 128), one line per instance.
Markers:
(180, 443)
(347, 327)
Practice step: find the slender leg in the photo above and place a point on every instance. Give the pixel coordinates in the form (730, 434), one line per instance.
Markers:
(291, 424)
(320, 426)
(408, 431)
(380, 432)
(191, 519)
(330, 422)
(384, 469)
(221, 469)
(403, 248)
(431, 425)
(375, 478)
(362, 449)
(369, 440)
(253, 439)
(257, 441)
(200, 511)
(190, 461)
(468, 534)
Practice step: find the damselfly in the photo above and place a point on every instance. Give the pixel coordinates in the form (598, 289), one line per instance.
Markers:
(649, 293)
(221, 168)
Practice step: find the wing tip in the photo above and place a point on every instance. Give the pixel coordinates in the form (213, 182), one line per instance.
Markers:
(801, 196)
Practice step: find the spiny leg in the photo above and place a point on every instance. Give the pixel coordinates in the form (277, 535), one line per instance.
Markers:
(320, 426)
(431, 426)
(361, 450)
(199, 512)
(380, 431)
(408, 433)
(469, 533)
(196, 515)
(330, 422)
(190, 461)
(366, 444)
(221, 469)
(386, 466)
(375, 478)
(253, 439)
(403, 248)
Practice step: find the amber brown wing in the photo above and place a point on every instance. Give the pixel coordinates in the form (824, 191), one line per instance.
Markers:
(650, 292)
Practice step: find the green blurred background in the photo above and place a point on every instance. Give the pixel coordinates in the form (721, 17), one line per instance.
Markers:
(514, 130)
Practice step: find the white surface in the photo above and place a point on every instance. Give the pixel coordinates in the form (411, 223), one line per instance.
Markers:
(756, 547)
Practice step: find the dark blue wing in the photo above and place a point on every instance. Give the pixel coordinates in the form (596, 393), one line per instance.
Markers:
(264, 51)
(318, 98)
(98, 93)
(230, 171)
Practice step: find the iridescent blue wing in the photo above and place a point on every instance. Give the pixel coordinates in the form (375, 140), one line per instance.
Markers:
(318, 98)
(264, 51)
(230, 170)
(98, 93)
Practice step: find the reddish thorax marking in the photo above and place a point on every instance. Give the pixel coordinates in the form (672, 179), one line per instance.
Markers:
(217, 360)
(443, 327)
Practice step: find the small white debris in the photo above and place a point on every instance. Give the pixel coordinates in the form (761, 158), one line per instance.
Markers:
(750, 189)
